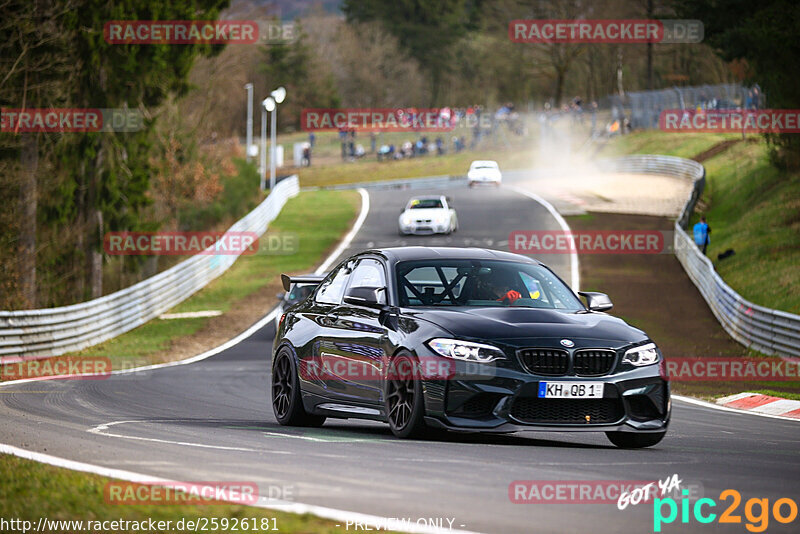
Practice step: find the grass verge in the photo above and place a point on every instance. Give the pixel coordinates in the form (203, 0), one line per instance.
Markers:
(316, 220)
(681, 144)
(31, 491)
(754, 209)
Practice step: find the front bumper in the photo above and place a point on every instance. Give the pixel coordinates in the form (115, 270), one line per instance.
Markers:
(424, 228)
(506, 400)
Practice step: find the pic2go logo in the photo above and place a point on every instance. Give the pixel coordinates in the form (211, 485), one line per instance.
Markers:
(758, 521)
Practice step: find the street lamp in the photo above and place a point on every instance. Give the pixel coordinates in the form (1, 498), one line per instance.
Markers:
(249, 88)
(268, 104)
(277, 96)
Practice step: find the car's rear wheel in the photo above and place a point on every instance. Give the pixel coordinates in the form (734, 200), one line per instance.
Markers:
(286, 402)
(630, 440)
(404, 404)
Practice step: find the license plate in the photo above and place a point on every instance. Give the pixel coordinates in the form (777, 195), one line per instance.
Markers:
(571, 390)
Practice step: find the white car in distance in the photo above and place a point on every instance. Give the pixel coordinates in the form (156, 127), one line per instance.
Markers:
(428, 215)
(484, 172)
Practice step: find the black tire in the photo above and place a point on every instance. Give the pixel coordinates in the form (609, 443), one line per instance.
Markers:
(403, 402)
(286, 402)
(630, 440)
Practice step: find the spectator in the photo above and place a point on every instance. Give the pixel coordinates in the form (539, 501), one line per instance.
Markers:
(702, 234)
(373, 140)
(343, 140)
(307, 155)
(312, 137)
(351, 145)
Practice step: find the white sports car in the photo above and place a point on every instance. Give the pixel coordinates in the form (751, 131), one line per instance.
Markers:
(428, 215)
(484, 172)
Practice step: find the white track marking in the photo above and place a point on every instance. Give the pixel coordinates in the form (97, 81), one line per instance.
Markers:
(263, 502)
(100, 430)
(705, 404)
(349, 237)
(575, 274)
(191, 315)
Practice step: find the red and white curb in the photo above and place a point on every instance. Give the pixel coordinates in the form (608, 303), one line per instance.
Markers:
(756, 402)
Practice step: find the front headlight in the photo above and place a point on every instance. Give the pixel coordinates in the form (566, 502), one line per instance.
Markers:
(465, 350)
(642, 355)
(405, 220)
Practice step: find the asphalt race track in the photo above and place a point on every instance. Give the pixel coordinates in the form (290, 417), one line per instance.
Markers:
(211, 420)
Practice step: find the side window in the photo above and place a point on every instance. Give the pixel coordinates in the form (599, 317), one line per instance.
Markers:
(331, 289)
(368, 273)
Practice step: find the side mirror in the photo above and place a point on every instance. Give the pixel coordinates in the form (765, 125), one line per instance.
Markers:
(596, 301)
(402, 210)
(280, 295)
(364, 296)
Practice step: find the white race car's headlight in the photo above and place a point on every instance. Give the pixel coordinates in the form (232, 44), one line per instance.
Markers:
(440, 219)
(405, 219)
(643, 355)
(465, 350)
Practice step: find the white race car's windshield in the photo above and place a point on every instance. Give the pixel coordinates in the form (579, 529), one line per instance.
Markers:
(481, 283)
(425, 203)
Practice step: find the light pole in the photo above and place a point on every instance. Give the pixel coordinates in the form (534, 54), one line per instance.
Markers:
(262, 170)
(277, 96)
(249, 88)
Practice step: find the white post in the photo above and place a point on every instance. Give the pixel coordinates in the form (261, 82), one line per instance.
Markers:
(249, 88)
(272, 153)
(263, 151)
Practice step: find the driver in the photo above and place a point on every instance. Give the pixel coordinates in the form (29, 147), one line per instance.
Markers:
(497, 288)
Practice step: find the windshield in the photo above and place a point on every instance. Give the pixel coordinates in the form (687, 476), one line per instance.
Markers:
(482, 283)
(484, 165)
(425, 203)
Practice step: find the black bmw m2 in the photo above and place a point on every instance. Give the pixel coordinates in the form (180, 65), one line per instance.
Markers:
(468, 340)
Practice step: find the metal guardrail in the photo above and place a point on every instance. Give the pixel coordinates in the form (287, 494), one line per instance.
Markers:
(428, 182)
(759, 328)
(55, 331)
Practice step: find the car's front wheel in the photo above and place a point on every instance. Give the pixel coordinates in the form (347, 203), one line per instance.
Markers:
(404, 404)
(286, 402)
(630, 440)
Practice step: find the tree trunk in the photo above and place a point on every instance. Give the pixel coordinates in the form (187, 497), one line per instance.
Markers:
(560, 75)
(94, 228)
(649, 50)
(29, 158)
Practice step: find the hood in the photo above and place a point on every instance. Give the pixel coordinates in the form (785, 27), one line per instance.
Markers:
(523, 326)
(484, 172)
(426, 213)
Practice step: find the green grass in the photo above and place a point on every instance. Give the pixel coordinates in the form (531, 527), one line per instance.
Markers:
(318, 219)
(754, 209)
(781, 394)
(681, 144)
(31, 490)
(370, 170)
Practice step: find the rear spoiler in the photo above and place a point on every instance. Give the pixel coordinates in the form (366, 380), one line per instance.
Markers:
(287, 280)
